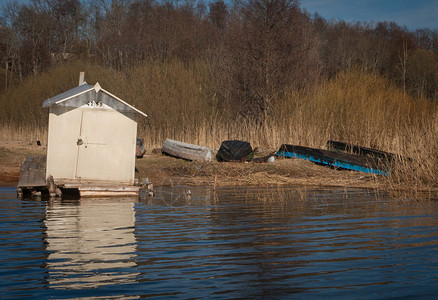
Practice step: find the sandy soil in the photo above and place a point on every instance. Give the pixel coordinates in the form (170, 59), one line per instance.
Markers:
(12, 155)
(163, 170)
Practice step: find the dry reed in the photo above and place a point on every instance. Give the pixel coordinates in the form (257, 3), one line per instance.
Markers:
(356, 107)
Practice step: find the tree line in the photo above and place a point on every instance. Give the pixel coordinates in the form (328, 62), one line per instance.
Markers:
(257, 50)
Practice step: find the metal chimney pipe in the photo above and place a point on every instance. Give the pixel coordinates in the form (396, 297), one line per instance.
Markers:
(81, 78)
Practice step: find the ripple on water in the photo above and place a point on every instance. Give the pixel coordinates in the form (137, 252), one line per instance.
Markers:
(229, 243)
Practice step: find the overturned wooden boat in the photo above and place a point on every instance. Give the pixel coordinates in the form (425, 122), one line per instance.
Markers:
(355, 149)
(186, 151)
(335, 159)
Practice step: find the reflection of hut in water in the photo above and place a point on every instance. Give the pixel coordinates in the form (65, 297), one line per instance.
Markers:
(88, 248)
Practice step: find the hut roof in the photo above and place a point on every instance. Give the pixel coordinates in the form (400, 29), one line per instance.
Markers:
(81, 94)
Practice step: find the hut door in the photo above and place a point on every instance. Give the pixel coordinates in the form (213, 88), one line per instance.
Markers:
(101, 155)
(92, 142)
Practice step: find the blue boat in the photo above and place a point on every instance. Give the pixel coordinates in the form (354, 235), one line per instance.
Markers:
(367, 164)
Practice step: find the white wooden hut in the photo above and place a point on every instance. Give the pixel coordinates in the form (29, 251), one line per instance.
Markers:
(92, 137)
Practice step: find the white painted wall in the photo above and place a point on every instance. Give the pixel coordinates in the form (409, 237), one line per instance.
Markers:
(108, 144)
(64, 127)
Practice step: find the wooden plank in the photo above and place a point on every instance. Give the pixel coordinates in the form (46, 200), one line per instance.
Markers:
(108, 191)
(33, 172)
(336, 159)
(24, 179)
(34, 164)
(111, 189)
(92, 183)
(39, 177)
(103, 189)
(186, 151)
(32, 178)
(26, 163)
(42, 162)
(108, 194)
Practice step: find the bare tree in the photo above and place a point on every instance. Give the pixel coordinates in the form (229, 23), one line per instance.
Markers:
(422, 74)
(272, 47)
(218, 14)
(66, 19)
(10, 42)
(33, 25)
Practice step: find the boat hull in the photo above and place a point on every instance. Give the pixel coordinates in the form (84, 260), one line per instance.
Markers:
(336, 159)
(186, 151)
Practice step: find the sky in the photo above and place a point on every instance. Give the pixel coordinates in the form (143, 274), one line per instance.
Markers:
(414, 14)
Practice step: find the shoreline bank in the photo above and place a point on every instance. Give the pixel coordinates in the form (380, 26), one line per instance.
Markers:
(163, 170)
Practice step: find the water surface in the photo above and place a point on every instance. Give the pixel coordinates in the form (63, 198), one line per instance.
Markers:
(229, 243)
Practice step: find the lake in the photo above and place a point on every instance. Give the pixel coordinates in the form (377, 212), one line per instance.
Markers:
(226, 243)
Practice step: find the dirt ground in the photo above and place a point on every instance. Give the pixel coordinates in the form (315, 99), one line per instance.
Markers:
(164, 171)
(12, 155)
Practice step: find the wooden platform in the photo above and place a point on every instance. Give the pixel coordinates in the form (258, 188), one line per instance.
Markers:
(33, 172)
(33, 182)
(99, 188)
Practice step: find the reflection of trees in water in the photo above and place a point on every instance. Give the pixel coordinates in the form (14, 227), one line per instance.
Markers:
(181, 195)
(91, 241)
(279, 240)
(254, 240)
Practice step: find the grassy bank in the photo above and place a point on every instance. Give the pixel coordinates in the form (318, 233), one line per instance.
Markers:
(183, 103)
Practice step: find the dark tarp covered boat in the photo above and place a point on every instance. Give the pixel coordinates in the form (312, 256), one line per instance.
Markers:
(335, 159)
(235, 150)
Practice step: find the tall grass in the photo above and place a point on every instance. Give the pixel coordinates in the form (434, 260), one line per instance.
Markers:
(356, 107)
